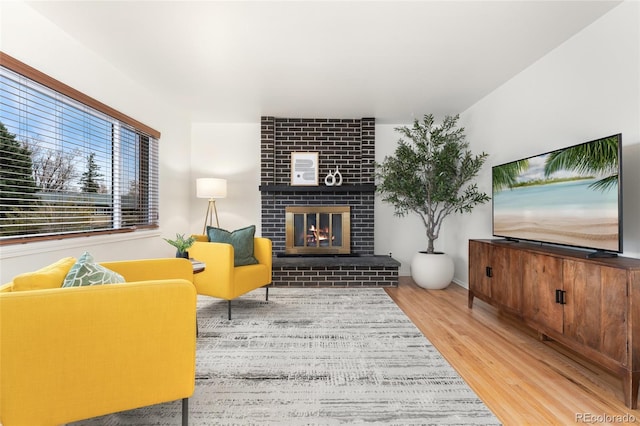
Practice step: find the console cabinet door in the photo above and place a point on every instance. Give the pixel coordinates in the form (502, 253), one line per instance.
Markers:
(595, 309)
(479, 259)
(541, 277)
(495, 272)
(506, 283)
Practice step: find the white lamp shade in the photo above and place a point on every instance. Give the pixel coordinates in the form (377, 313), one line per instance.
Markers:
(211, 188)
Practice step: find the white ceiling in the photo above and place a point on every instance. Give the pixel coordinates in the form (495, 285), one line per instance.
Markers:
(233, 61)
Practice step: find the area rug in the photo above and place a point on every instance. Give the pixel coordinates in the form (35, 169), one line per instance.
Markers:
(315, 356)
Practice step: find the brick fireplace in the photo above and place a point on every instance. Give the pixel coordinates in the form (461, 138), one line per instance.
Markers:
(347, 145)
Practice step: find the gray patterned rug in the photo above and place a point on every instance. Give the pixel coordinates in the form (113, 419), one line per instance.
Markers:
(315, 357)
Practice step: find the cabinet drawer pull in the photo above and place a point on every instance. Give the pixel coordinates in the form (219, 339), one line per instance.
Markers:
(488, 271)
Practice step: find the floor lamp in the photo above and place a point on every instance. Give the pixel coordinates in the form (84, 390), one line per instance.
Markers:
(211, 188)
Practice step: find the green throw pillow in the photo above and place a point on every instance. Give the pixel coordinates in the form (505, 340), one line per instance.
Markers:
(240, 239)
(87, 272)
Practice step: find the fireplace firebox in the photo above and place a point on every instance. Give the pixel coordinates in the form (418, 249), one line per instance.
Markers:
(318, 230)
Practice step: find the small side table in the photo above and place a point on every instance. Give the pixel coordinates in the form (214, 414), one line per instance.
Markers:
(197, 268)
(197, 265)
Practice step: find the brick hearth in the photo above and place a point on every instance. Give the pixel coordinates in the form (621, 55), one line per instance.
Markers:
(360, 271)
(346, 144)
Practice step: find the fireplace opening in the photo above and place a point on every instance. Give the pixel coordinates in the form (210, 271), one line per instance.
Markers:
(318, 230)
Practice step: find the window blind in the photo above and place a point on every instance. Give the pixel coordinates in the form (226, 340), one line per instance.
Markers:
(67, 168)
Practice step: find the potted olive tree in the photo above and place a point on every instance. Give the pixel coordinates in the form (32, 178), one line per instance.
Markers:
(430, 174)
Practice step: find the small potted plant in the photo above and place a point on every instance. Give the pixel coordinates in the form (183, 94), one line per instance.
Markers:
(182, 244)
(430, 174)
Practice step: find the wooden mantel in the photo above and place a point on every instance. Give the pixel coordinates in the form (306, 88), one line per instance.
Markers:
(319, 188)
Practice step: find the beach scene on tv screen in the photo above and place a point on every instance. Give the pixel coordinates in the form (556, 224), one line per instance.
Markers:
(567, 197)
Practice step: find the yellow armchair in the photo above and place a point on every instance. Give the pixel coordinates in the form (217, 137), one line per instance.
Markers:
(221, 278)
(69, 354)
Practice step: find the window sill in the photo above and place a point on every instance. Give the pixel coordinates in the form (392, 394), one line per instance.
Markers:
(17, 250)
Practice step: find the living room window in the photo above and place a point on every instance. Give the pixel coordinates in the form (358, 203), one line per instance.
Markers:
(70, 165)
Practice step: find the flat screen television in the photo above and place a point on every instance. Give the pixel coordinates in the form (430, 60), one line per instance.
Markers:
(571, 196)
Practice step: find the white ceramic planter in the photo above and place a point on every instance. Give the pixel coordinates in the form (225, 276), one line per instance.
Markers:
(432, 271)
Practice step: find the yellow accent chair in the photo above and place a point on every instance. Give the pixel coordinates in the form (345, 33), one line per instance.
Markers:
(68, 354)
(221, 278)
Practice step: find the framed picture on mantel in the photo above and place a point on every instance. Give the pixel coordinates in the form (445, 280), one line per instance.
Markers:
(304, 168)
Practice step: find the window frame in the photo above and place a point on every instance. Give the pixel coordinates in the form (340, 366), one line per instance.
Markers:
(140, 130)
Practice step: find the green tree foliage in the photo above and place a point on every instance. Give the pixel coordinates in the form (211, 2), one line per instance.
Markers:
(599, 157)
(18, 190)
(596, 158)
(430, 174)
(90, 179)
(505, 176)
(16, 170)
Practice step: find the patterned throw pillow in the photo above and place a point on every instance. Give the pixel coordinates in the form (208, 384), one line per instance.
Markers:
(87, 272)
(240, 239)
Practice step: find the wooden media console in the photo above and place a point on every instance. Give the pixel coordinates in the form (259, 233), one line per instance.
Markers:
(590, 305)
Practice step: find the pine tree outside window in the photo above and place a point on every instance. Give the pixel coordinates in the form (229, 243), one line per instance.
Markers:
(69, 167)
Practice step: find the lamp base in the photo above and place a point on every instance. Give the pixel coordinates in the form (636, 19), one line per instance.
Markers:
(211, 211)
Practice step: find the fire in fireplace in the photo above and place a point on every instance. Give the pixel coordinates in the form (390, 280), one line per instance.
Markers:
(318, 230)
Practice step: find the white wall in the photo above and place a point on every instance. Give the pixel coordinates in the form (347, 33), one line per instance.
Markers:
(400, 236)
(230, 151)
(587, 88)
(30, 38)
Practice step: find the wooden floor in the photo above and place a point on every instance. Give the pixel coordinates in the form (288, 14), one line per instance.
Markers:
(522, 380)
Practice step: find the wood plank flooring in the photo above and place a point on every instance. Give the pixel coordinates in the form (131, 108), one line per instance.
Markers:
(522, 380)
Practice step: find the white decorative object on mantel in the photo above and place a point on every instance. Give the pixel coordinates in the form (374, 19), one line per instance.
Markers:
(330, 179)
(333, 179)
